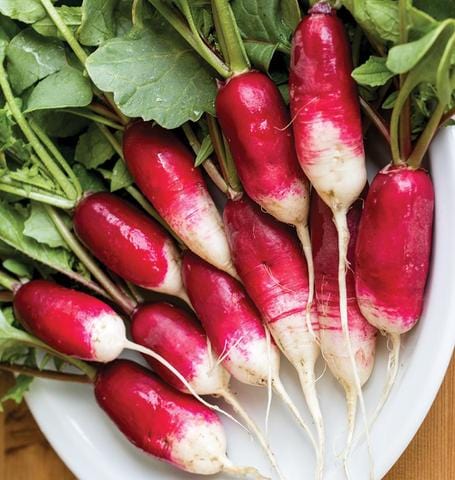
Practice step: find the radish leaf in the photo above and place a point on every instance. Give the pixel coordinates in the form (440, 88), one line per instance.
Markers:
(71, 16)
(121, 178)
(27, 11)
(92, 148)
(373, 72)
(17, 391)
(155, 75)
(66, 88)
(31, 57)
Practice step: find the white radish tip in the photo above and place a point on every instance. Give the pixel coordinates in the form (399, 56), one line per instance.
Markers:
(107, 337)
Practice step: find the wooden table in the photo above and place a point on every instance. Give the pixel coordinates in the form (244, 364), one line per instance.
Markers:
(25, 454)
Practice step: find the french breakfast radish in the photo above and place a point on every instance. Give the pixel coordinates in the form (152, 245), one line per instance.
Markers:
(268, 258)
(324, 239)
(234, 328)
(179, 338)
(328, 132)
(129, 243)
(79, 325)
(393, 255)
(163, 422)
(256, 124)
(163, 168)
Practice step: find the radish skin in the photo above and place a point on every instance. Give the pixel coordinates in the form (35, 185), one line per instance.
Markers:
(177, 337)
(268, 259)
(235, 329)
(163, 168)
(363, 335)
(163, 422)
(129, 243)
(393, 256)
(328, 135)
(80, 325)
(256, 124)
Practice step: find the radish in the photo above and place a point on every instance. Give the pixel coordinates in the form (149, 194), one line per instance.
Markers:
(234, 328)
(164, 170)
(177, 337)
(328, 133)
(268, 258)
(255, 122)
(129, 243)
(332, 340)
(393, 254)
(79, 325)
(163, 422)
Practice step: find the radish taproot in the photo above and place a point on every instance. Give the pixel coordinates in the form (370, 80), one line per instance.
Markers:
(179, 338)
(129, 243)
(163, 422)
(268, 258)
(328, 133)
(324, 239)
(235, 330)
(393, 255)
(80, 325)
(163, 168)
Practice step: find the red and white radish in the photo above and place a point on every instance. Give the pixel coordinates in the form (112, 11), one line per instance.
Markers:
(393, 255)
(328, 133)
(256, 124)
(268, 258)
(179, 338)
(129, 243)
(163, 422)
(164, 170)
(79, 325)
(324, 239)
(235, 329)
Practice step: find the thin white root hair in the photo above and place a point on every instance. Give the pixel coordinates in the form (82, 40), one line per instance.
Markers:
(324, 370)
(339, 217)
(242, 472)
(225, 353)
(351, 405)
(392, 372)
(281, 392)
(308, 383)
(269, 380)
(304, 236)
(230, 398)
(210, 354)
(147, 351)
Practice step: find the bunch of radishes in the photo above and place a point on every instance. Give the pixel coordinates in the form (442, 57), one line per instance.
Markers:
(307, 260)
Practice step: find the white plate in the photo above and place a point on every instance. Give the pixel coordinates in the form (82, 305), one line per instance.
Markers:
(93, 449)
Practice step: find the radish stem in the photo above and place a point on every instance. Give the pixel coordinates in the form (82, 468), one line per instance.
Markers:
(195, 42)
(42, 153)
(48, 374)
(378, 121)
(124, 302)
(9, 282)
(232, 44)
(94, 117)
(42, 197)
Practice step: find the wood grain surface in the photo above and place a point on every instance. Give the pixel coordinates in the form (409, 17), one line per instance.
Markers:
(25, 454)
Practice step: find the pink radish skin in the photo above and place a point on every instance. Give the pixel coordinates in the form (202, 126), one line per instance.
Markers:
(328, 136)
(163, 168)
(80, 325)
(129, 243)
(393, 256)
(390, 282)
(180, 339)
(235, 329)
(363, 335)
(269, 261)
(69, 321)
(163, 422)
